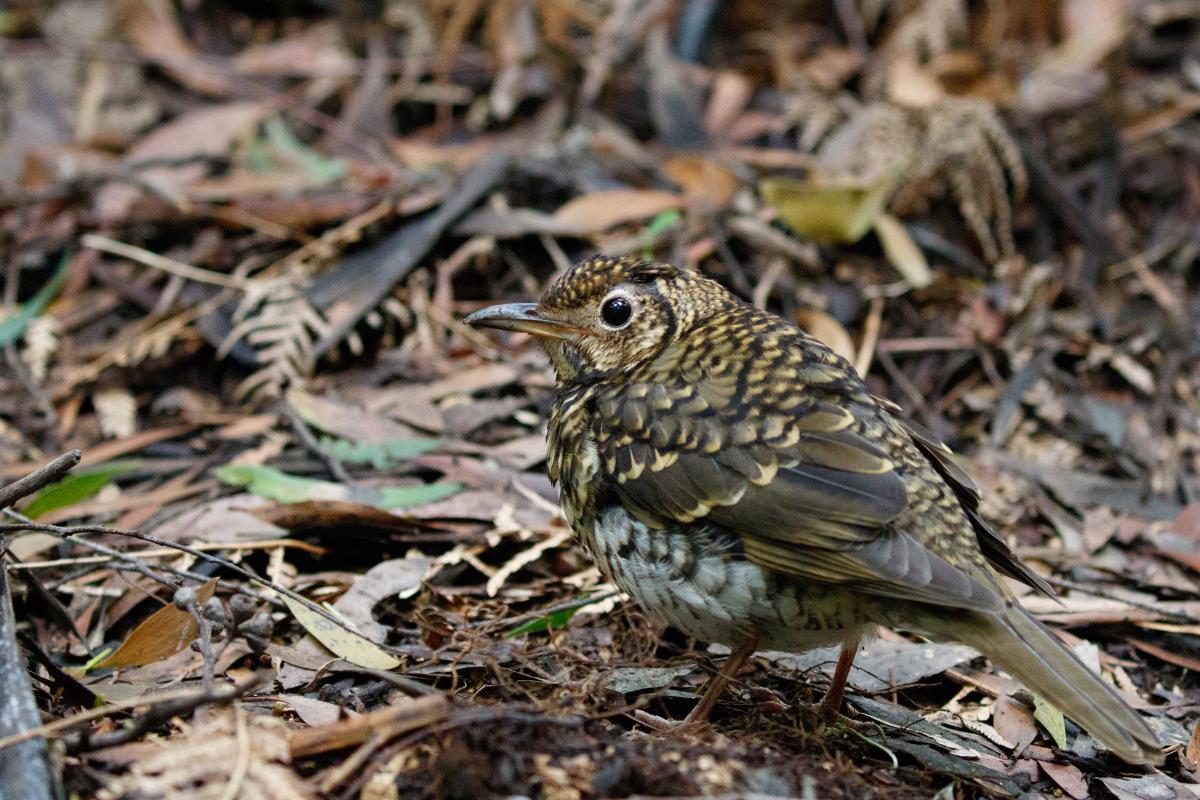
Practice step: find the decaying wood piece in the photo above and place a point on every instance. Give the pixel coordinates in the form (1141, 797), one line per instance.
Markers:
(387, 722)
(25, 769)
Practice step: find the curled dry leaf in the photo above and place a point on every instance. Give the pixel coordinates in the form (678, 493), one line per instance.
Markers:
(400, 577)
(163, 634)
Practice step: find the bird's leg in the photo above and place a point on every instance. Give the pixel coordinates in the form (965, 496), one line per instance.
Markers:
(831, 705)
(717, 686)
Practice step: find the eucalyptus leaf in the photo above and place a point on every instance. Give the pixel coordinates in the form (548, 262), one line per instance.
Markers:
(1051, 719)
(77, 487)
(379, 455)
(320, 168)
(403, 496)
(273, 484)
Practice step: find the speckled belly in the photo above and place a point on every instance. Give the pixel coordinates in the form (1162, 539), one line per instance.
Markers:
(696, 579)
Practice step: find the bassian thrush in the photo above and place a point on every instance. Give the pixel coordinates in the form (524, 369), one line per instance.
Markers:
(736, 478)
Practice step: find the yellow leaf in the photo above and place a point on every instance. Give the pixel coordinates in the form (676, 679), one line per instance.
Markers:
(161, 635)
(902, 252)
(352, 647)
(827, 211)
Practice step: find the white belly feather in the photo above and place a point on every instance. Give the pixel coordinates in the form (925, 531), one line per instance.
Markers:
(695, 582)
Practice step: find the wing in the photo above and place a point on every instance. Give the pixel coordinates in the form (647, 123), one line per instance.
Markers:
(994, 548)
(809, 496)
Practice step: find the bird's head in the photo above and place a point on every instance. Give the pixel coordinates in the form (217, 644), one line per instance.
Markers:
(607, 315)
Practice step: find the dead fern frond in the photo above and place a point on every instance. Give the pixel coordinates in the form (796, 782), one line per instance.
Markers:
(959, 147)
(277, 320)
(141, 346)
(967, 149)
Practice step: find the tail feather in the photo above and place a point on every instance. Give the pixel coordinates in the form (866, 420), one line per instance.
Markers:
(1026, 649)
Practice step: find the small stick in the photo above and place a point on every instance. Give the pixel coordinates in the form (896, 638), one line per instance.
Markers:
(23, 487)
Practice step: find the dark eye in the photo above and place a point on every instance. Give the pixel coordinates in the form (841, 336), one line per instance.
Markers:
(616, 311)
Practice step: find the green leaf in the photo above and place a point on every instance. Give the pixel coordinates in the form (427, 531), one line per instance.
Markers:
(319, 167)
(381, 455)
(402, 496)
(662, 222)
(273, 484)
(76, 488)
(555, 619)
(1051, 718)
(14, 327)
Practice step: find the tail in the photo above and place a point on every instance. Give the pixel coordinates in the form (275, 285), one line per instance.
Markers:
(1027, 650)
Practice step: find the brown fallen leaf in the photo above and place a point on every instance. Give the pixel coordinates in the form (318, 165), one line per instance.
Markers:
(164, 633)
(226, 519)
(208, 131)
(596, 212)
(1068, 777)
(1192, 751)
(705, 182)
(347, 420)
(1014, 721)
(154, 32)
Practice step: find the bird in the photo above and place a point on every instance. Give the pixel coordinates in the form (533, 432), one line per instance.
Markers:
(736, 478)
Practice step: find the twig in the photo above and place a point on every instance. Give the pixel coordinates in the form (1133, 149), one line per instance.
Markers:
(161, 710)
(169, 265)
(391, 721)
(71, 533)
(165, 552)
(48, 474)
(133, 563)
(336, 468)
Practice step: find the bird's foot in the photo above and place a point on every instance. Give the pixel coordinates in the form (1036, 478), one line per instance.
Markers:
(829, 711)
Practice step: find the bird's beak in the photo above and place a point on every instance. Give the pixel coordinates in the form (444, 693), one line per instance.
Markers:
(524, 317)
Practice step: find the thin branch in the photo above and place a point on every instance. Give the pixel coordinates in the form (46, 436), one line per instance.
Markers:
(43, 477)
(169, 265)
(78, 530)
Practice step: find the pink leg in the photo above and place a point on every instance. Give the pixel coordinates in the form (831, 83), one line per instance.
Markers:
(831, 705)
(717, 687)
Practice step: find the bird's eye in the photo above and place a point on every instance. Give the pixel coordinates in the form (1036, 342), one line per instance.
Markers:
(616, 312)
